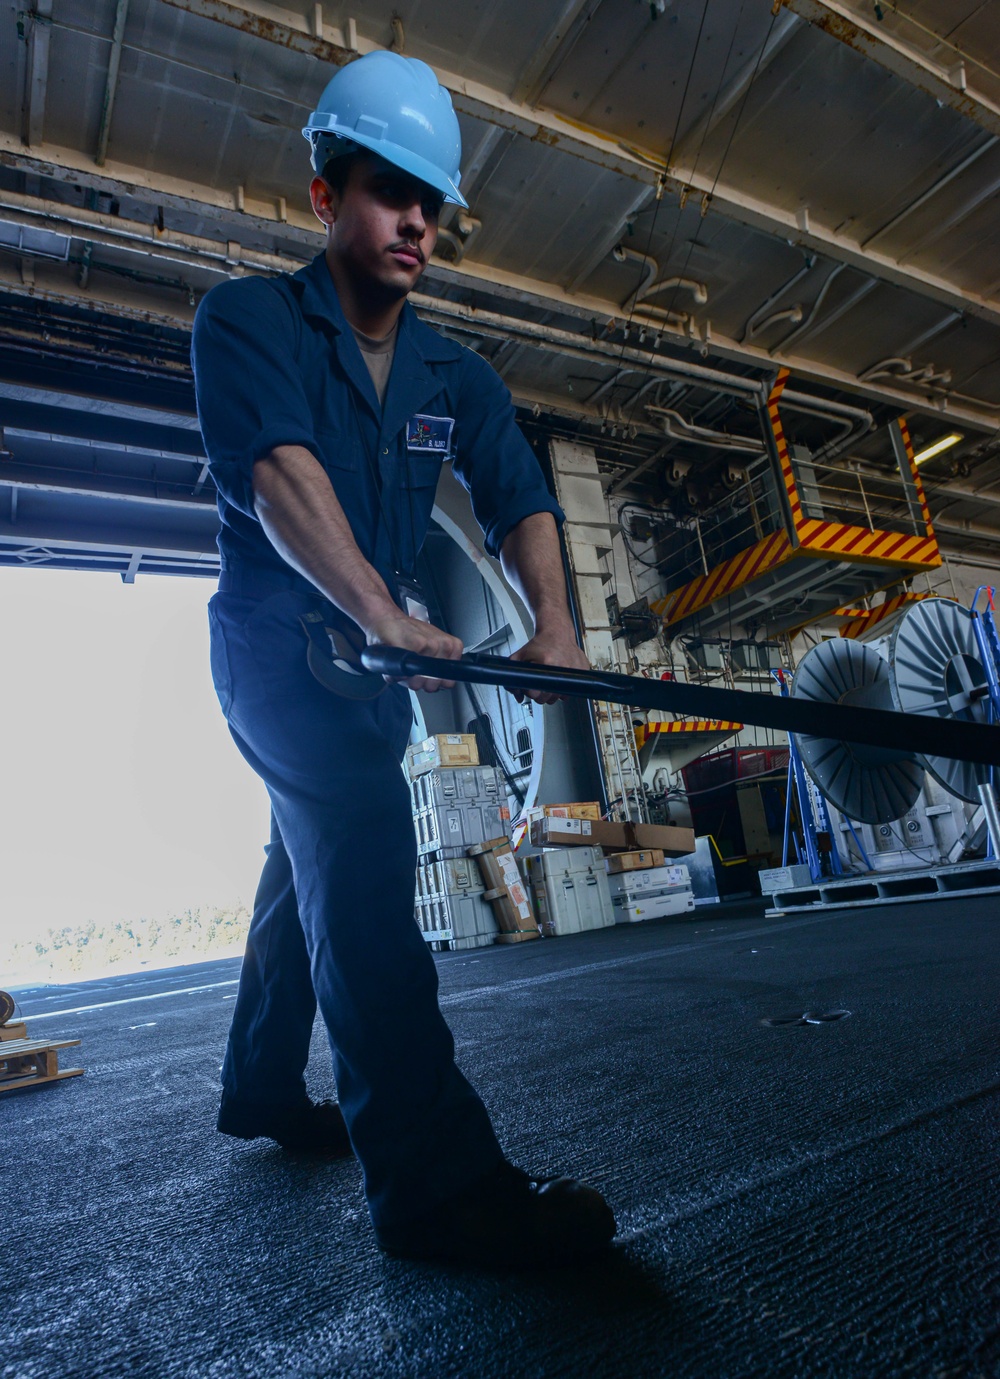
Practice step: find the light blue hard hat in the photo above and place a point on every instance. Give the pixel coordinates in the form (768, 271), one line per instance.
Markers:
(393, 106)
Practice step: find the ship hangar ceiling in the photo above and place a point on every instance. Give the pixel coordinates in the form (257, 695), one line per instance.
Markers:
(669, 202)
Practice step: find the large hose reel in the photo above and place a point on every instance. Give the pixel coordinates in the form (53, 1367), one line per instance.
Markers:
(930, 665)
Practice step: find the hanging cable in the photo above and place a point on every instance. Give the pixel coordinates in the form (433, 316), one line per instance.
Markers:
(725, 155)
(660, 187)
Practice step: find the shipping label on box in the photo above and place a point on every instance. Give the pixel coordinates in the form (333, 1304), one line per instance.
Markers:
(515, 886)
(555, 832)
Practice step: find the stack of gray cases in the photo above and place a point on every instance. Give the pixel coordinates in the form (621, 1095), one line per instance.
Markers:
(454, 807)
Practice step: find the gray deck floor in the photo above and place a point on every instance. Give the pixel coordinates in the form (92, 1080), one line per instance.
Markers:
(794, 1200)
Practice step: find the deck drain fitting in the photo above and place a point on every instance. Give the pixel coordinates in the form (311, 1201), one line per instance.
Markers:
(808, 1017)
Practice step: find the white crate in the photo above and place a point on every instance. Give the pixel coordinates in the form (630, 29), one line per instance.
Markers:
(561, 861)
(657, 905)
(635, 884)
(570, 892)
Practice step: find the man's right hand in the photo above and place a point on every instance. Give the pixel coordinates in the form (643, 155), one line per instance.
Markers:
(396, 629)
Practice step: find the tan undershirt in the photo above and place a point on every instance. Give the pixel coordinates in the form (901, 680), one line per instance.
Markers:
(377, 355)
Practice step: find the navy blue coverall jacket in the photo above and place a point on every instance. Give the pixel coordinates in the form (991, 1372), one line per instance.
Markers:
(276, 364)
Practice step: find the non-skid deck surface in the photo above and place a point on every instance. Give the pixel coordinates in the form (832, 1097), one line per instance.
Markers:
(794, 1199)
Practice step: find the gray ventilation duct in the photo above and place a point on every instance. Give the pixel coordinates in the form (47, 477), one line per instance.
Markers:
(928, 665)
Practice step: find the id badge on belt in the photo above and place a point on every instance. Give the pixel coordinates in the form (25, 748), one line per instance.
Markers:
(411, 598)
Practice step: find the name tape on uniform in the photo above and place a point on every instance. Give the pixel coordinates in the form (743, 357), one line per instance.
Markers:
(432, 435)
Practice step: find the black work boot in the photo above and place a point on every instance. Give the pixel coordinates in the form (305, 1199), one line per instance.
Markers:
(509, 1220)
(306, 1127)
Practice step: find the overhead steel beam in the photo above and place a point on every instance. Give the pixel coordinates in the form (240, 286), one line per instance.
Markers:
(949, 84)
(90, 412)
(549, 129)
(545, 296)
(226, 256)
(37, 76)
(111, 85)
(563, 37)
(90, 551)
(783, 28)
(25, 482)
(107, 531)
(116, 445)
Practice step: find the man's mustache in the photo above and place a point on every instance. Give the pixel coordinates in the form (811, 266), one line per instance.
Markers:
(409, 247)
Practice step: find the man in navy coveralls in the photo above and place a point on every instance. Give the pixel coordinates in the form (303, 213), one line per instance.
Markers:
(327, 409)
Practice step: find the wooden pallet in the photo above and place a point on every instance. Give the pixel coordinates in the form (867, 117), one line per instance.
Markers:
(32, 1062)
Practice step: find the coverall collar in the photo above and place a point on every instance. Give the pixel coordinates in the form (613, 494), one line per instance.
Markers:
(411, 382)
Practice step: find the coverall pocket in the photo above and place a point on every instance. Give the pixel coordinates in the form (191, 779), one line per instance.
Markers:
(422, 471)
(222, 677)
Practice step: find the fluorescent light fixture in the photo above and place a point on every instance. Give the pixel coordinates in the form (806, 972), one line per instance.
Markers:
(945, 443)
(44, 244)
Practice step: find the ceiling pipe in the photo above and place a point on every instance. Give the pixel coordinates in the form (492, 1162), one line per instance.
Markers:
(959, 493)
(793, 314)
(679, 428)
(115, 232)
(650, 287)
(579, 346)
(901, 369)
(750, 329)
(814, 312)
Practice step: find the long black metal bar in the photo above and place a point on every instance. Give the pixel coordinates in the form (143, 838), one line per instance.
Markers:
(906, 732)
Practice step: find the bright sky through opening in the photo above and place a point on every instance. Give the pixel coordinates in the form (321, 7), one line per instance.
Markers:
(123, 794)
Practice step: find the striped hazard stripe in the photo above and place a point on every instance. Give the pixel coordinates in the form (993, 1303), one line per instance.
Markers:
(904, 432)
(732, 574)
(781, 445)
(861, 619)
(684, 725)
(859, 543)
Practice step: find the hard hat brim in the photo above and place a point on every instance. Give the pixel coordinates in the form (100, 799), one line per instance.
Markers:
(399, 157)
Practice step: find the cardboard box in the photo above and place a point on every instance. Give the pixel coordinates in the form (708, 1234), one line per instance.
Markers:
(633, 861)
(14, 1029)
(505, 890)
(446, 749)
(588, 810)
(613, 837)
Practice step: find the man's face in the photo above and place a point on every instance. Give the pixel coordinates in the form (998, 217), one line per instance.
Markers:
(383, 225)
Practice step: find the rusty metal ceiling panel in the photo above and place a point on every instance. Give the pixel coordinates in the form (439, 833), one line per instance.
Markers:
(832, 131)
(639, 77)
(491, 43)
(541, 215)
(949, 30)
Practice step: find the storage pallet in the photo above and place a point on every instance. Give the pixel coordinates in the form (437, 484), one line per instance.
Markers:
(33, 1062)
(888, 888)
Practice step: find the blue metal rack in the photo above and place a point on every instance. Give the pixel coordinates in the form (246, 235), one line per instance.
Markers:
(807, 847)
(985, 627)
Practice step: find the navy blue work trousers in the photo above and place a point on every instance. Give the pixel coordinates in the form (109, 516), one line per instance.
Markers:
(333, 919)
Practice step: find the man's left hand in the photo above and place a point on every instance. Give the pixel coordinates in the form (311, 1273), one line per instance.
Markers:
(549, 649)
